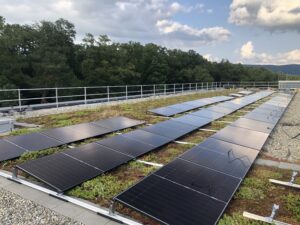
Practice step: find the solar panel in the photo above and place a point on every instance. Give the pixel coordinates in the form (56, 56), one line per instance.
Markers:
(254, 125)
(126, 146)
(34, 141)
(148, 138)
(230, 105)
(208, 114)
(76, 132)
(166, 111)
(241, 136)
(230, 163)
(262, 117)
(9, 151)
(199, 178)
(170, 129)
(193, 120)
(98, 156)
(182, 106)
(220, 109)
(59, 171)
(118, 123)
(170, 203)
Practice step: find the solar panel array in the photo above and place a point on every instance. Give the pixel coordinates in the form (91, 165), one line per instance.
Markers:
(172, 110)
(13, 147)
(245, 92)
(197, 186)
(104, 155)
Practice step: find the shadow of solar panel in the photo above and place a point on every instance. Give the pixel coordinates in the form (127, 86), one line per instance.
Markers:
(9, 151)
(126, 146)
(76, 132)
(165, 111)
(59, 171)
(220, 109)
(98, 156)
(148, 138)
(34, 141)
(208, 114)
(262, 117)
(182, 106)
(170, 129)
(118, 123)
(199, 178)
(254, 125)
(195, 121)
(170, 203)
(242, 136)
(230, 164)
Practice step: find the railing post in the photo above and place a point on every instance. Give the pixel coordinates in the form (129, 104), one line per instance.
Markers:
(154, 89)
(165, 89)
(20, 101)
(196, 86)
(56, 97)
(85, 102)
(126, 92)
(190, 87)
(174, 89)
(202, 85)
(182, 88)
(108, 94)
(207, 85)
(141, 91)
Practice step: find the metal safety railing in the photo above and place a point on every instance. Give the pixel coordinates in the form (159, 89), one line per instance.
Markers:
(37, 98)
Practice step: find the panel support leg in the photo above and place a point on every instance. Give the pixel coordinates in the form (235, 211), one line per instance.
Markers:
(112, 208)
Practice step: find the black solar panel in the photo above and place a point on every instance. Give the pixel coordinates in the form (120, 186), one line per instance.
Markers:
(76, 132)
(222, 159)
(170, 129)
(148, 138)
(9, 151)
(98, 156)
(118, 123)
(59, 171)
(166, 111)
(126, 146)
(193, 120)
(171, 203)
(199, 178)
(241, 136)
(230, 105)
(182, 106)
(253, 125)
(263, 117)
(34, 141)
(208, 114)
(220, 109)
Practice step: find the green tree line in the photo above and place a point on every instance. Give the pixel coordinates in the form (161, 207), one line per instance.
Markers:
(45, 55)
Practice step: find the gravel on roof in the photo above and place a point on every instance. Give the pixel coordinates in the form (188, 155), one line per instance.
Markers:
(283, 143)
(14, 210)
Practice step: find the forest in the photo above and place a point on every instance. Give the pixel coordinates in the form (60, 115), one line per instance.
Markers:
(45, 54)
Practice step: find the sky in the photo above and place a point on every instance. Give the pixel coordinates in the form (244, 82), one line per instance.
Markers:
(241, 31)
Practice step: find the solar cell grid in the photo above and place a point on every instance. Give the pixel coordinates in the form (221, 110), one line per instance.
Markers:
(59, 171)
(9, 151)
(166, 111)
(208, 114)
(118, 123)
(98, 156)
(171, 203)
(220, 109)
(34, 141)
(193, 120)
(242, 136)
(254, 125)
(199, 178)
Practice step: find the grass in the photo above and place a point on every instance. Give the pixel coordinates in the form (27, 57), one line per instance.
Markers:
(293, 204)
(238, 219)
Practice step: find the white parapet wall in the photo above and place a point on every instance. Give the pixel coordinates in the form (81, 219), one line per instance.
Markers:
(289, 84)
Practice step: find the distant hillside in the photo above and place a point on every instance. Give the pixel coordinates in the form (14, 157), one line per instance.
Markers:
(292, 69)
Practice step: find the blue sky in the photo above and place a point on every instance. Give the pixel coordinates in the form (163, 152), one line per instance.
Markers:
(247, 31)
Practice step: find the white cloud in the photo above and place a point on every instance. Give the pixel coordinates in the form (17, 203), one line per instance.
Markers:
(268, 14)
(250, 56)
(211, 58)
(122, 20)
(205, 35)
(247, 50)
(209, 11)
